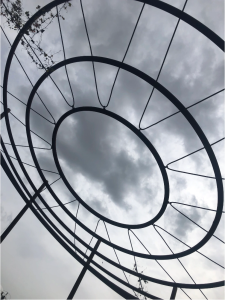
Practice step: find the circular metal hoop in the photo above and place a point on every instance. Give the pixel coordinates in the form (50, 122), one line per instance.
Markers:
(146, 142)
(45, 220)
(185, 113)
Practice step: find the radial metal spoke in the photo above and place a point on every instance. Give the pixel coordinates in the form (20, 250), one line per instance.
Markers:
(92, 236)
(160, 70)
(157, 261)
(31, 165)
(198, 102)
(189, 173)
(30, 130)
(135, 27)
(75, 225)
(116, 255)
(53, 183)
(194, 174)
(46, 70)
(26, 146)
(135, 263)
(64, 54)
(220, 140)
(195, 206)
(26, 105)
(28, 77)
(189, 246)
(196, 223)
(57, 205)
(89, 42)
(179, 260)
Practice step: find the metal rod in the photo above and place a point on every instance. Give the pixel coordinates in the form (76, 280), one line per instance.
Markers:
(20, 214)
(160, 70)
(174, 291)
(28, 77)
(64, 54)
(79, 279)
(3, 114)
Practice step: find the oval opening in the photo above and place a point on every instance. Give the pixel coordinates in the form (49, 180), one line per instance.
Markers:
(109, 167)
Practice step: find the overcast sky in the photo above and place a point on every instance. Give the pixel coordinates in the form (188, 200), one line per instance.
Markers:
(107, 165)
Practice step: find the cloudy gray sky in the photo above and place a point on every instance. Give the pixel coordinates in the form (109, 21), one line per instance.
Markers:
(107, 165)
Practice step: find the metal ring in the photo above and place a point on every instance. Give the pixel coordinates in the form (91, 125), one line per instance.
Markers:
(146, 142)
(185, 113)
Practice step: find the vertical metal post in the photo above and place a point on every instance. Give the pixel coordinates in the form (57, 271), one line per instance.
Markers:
(174, 291)
(79, 279)
(20, 214)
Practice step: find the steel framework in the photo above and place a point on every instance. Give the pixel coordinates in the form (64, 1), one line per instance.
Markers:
(88, 262)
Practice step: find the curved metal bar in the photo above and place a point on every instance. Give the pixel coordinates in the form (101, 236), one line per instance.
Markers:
(186, 114)
(142, 276)
(132, 128)
(189, 20)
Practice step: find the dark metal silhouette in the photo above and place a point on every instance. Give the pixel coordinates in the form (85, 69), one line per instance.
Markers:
(79, 279)
(173, 295)
(3, 114)
(39, 211)
(23, 210)
(170, 97)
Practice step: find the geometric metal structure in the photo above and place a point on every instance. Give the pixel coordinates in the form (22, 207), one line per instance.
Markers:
(71, 247)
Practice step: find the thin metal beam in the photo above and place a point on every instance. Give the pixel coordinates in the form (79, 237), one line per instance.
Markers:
(28, 78)
(26, 105)
(3, 114)
(174, 291)
(79, 279)
(160, 70)
(20, 214)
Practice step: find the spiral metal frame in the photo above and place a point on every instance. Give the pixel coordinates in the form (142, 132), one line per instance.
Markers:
(38, 211)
